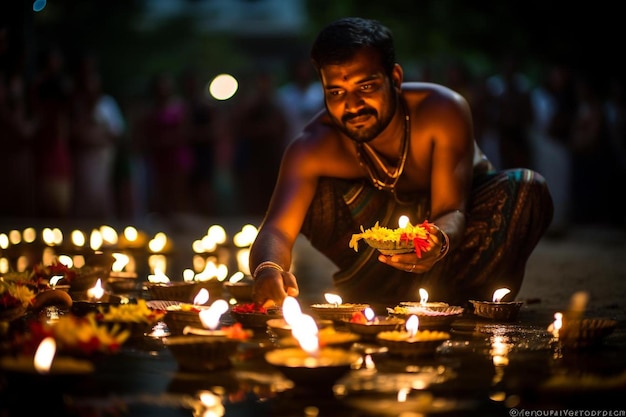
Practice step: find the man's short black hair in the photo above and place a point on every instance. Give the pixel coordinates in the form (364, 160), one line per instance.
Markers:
(341, 39)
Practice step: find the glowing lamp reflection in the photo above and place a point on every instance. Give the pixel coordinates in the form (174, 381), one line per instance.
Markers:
(44, 355)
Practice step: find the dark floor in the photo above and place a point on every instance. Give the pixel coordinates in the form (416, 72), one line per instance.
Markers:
(464, 378)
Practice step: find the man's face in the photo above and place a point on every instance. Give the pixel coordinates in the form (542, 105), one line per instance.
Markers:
(359, 96)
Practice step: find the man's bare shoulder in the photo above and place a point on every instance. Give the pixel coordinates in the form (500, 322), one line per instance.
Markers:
(322, 149)
(415, 92)
(319, 134)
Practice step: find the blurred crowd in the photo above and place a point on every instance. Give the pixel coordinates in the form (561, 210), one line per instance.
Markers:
(72, 150)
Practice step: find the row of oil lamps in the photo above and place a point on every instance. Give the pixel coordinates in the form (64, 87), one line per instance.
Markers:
(135, 252)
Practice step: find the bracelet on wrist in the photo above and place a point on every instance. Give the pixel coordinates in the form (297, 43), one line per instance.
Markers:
(266, 265)
(445, 245)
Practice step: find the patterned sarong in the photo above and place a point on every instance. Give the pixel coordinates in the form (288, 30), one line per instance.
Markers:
(508, 213)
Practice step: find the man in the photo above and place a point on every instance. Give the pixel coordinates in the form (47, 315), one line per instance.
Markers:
(381, 149)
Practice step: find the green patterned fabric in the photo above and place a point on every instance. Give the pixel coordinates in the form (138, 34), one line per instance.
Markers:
(508, 213)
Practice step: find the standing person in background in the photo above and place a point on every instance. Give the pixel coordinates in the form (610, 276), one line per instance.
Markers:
(16, 142)
(512, 114)
(302, 97)
(593, 159)
(96, 133)
(260, 128)
(384, 148)
(50, 99)
(202, 141)
(163, 136)
(554, 106)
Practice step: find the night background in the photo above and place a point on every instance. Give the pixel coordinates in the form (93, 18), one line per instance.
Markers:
(136, 39)
(540, 32)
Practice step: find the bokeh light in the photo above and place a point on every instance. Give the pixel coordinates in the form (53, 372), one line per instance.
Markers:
(223, 87)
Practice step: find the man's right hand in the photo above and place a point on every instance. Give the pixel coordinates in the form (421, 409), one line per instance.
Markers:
(272, 286)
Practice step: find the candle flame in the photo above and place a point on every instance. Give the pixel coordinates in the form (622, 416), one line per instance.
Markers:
(412, 325)
(333, 299)
(423, 296)
(130, 233)
(306, 332)
(158, 276)
(499, 294)
(236, 277)
(403, 393)
(55, 280)
(97, 291)
(291, 310)
(78, 238)
(556, 325)
(369, 313)
(44, 355)
(121, 260)
(210, 317)
(403, 221)
(201, 297)
(95, 239)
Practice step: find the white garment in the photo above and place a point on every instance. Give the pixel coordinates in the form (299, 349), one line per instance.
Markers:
(551, 157)
(94, 165)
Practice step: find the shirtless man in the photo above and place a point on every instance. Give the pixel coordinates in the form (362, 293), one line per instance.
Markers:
(383, 148)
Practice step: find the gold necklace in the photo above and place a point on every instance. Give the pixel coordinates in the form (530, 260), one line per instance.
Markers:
(372, 162)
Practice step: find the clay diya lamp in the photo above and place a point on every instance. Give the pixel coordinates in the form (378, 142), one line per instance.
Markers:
(412, 342)
(307, 364)
(497, 309)
(367, 324)
(335, 309)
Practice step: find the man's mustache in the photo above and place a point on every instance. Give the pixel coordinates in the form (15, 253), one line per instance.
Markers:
(365, 112)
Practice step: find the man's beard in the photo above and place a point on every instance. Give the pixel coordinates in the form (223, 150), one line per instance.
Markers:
(364, 135)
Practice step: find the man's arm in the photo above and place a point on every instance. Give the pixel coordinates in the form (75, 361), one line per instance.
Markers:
(442, 121)
(271, 252)
(452, 168)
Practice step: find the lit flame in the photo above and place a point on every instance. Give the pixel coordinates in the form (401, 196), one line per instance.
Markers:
(210, 317)
(157, 261)
(121, 260)
(412, 324)
(44, 355)
(305, 331)
(369, 314)
(403, 221)
(55, 280)
(109, 235)
(556, 325)
(78, 238)
(202, 297)
(95, 239)
(211, 271)
(403, 393)
(246, 236)
(333, 299)
(217, 234)
(97, 291)
(158, 277)
(211, 402)
(236, 277)
(158, 242)
(499, 294)
(291, 310)
(423, 296)
(130, 233)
